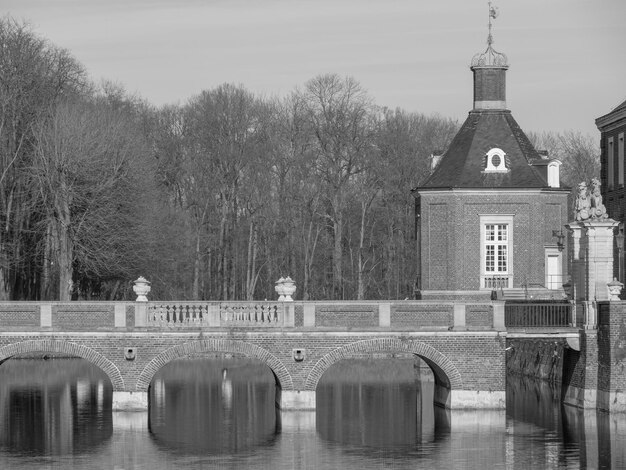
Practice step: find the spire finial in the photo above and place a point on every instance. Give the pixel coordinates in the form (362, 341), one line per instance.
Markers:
(490, 57)
(493, 14)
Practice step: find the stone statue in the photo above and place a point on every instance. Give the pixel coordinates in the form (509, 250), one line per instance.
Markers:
(583, 204)
(589, 204)
(598, 211)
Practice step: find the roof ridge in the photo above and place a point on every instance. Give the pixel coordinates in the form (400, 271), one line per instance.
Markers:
(526, 146)
(619, 106)
(456, 140)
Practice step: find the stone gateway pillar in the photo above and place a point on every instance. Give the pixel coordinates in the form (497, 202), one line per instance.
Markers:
(592, 258)
(595, 373)
(592, 251)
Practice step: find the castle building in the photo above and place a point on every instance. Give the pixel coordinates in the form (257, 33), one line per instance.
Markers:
(490, 217)
(612, 127)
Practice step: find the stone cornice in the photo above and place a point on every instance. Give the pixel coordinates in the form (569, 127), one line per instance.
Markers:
(612, 120)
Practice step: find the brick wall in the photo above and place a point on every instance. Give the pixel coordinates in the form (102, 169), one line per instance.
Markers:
(489, 84)
(19, 315)
(298, 315)
(450, 227)
(612, 346)
(353, 315)
(422, 316)
(435, 244)
(83, 316)
(613, 198)
(479, 317)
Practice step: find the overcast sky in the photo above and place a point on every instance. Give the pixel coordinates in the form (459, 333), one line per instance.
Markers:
(567, 57)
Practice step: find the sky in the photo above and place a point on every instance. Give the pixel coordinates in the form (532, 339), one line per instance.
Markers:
(567, 57)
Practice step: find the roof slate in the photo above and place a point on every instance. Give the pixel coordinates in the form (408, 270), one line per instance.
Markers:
(463, 163)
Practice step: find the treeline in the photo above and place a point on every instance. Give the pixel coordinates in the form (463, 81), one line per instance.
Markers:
(213, 199)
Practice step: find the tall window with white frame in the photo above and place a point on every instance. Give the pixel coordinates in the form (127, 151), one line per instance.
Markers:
(620, 159)
(610, 164)
(496, 252)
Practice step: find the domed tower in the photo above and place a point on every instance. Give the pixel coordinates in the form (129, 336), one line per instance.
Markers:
(489, 213)
(489, 69)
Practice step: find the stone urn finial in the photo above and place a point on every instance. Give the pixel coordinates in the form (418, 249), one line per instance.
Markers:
(141, 288)
(615, 289)
(280, 290)
(285, 287)
(290, 287)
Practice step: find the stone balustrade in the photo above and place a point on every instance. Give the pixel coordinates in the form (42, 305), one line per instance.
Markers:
(223, 314)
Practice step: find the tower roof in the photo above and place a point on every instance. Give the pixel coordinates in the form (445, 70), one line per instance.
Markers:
(464, 164)
(490, 150)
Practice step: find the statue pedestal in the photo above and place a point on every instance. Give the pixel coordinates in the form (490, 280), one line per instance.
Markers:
(592, 259)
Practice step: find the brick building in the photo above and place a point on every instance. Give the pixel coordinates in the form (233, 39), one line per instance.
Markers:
(491, 215)
(612, 127)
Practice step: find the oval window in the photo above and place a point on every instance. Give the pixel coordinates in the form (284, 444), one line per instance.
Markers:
(496, 160)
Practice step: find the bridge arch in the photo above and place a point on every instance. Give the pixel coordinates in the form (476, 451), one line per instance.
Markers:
(64, 347)
(283, 377)
(446, 374)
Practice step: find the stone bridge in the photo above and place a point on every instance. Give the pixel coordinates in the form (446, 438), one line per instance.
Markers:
(465, 344)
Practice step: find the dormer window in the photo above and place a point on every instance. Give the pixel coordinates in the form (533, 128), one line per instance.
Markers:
(553, 174)
(496, 161)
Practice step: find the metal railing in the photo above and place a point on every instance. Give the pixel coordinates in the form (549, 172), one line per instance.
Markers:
(537, 314)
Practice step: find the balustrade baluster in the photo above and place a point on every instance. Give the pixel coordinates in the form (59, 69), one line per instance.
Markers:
(247, 314)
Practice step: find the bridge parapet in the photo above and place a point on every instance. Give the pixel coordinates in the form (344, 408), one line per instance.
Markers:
(182, 315)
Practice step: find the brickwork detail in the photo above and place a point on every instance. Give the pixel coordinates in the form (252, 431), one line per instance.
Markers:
(417, 316)
(445, 372)
(489, 84)
(130, 316)
(298, 315)
(611, 346)
(357, 316)
(69, 348)
(479, 316)
(87, 317)
(436, 257)
(15, 315)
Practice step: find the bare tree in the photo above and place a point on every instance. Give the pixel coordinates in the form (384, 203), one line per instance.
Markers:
(84, 164)
(34, 76)
(579, 153)
(337, 113)
(405, 142)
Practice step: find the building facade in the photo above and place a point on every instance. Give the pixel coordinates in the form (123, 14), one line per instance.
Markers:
(612, 127)
(490, 217)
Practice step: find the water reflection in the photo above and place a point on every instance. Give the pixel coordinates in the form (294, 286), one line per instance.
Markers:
(219, 413)
(217, 406)
(53, 407)
(380, 403)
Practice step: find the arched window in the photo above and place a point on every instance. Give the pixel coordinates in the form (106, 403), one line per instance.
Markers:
(553, 175)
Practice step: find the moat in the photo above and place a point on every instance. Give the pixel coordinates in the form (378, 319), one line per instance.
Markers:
(204, 412)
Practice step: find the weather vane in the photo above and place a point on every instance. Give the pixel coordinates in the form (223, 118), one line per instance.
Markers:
(493, 14)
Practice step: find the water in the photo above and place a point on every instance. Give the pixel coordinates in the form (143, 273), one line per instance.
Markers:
(219, 413)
